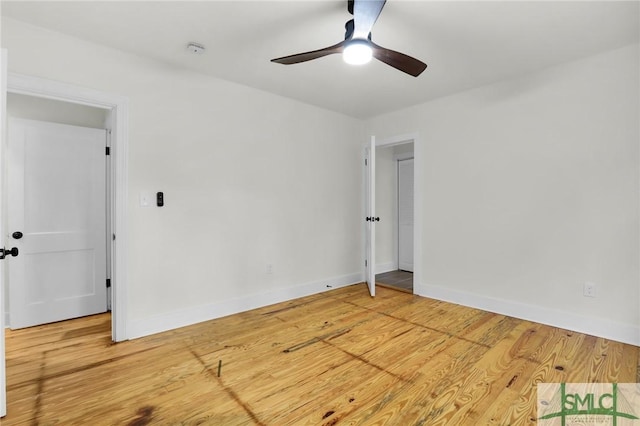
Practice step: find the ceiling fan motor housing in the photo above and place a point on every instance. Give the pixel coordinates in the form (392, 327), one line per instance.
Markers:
(349, 26)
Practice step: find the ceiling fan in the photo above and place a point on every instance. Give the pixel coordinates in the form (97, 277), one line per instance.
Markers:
(357, 47)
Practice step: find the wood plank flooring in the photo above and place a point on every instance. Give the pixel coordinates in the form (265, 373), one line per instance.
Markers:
(339, 357)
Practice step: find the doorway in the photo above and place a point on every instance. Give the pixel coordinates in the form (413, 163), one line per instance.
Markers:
(117, 112)
(394, 205)
(116, 108)
(381, 217)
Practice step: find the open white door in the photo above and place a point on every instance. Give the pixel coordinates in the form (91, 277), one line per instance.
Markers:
(3, 103)
(57, 219)
(370, 200)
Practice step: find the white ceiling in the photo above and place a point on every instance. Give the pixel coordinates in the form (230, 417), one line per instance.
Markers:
(465, 43)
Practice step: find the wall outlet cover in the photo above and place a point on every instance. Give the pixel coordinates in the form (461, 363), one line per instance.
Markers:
(589, 289)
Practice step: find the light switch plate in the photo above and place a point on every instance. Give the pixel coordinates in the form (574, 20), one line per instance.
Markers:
(146, 198)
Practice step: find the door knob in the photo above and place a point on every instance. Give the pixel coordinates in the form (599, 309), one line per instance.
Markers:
(8, 252)
(17, 235)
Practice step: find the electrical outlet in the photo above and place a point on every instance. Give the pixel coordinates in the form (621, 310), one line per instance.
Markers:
(269, 268)
(589, 289)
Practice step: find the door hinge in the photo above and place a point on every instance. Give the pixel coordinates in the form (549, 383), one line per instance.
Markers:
(365, 262)
(365, 161)
(108, 282)
(107, 150)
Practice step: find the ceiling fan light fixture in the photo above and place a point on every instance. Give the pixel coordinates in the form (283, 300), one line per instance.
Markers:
(357, 47)
(357, 52)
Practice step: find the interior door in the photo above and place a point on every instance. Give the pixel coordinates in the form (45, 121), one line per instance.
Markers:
(370, 196)
(3, 102)
(405, 215)
(57, 219)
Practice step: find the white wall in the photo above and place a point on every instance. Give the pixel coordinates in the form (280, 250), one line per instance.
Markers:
(249, 178)
(531, 188)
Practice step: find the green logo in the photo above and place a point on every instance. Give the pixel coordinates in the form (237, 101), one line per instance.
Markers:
(567, 404)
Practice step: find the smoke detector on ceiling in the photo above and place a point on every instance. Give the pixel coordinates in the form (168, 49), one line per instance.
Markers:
(195, 48)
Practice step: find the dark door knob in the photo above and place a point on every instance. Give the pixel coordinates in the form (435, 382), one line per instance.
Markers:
(17, 235)
(8, 252)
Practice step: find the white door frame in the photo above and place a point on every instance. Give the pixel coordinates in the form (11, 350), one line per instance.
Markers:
(3, 143)
(417, 202)
(118, 106)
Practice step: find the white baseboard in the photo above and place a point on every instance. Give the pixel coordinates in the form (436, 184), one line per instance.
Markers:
(172, 320)
(381, 268)
(620, 332)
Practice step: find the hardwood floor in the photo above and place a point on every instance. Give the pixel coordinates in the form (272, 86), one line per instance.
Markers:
(339, 357)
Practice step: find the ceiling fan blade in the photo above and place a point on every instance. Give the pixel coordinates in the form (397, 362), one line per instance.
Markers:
(399, 61)
(365, 14)
(314, 54)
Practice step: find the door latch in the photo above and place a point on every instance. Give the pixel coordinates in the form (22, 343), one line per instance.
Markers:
(8, 252)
